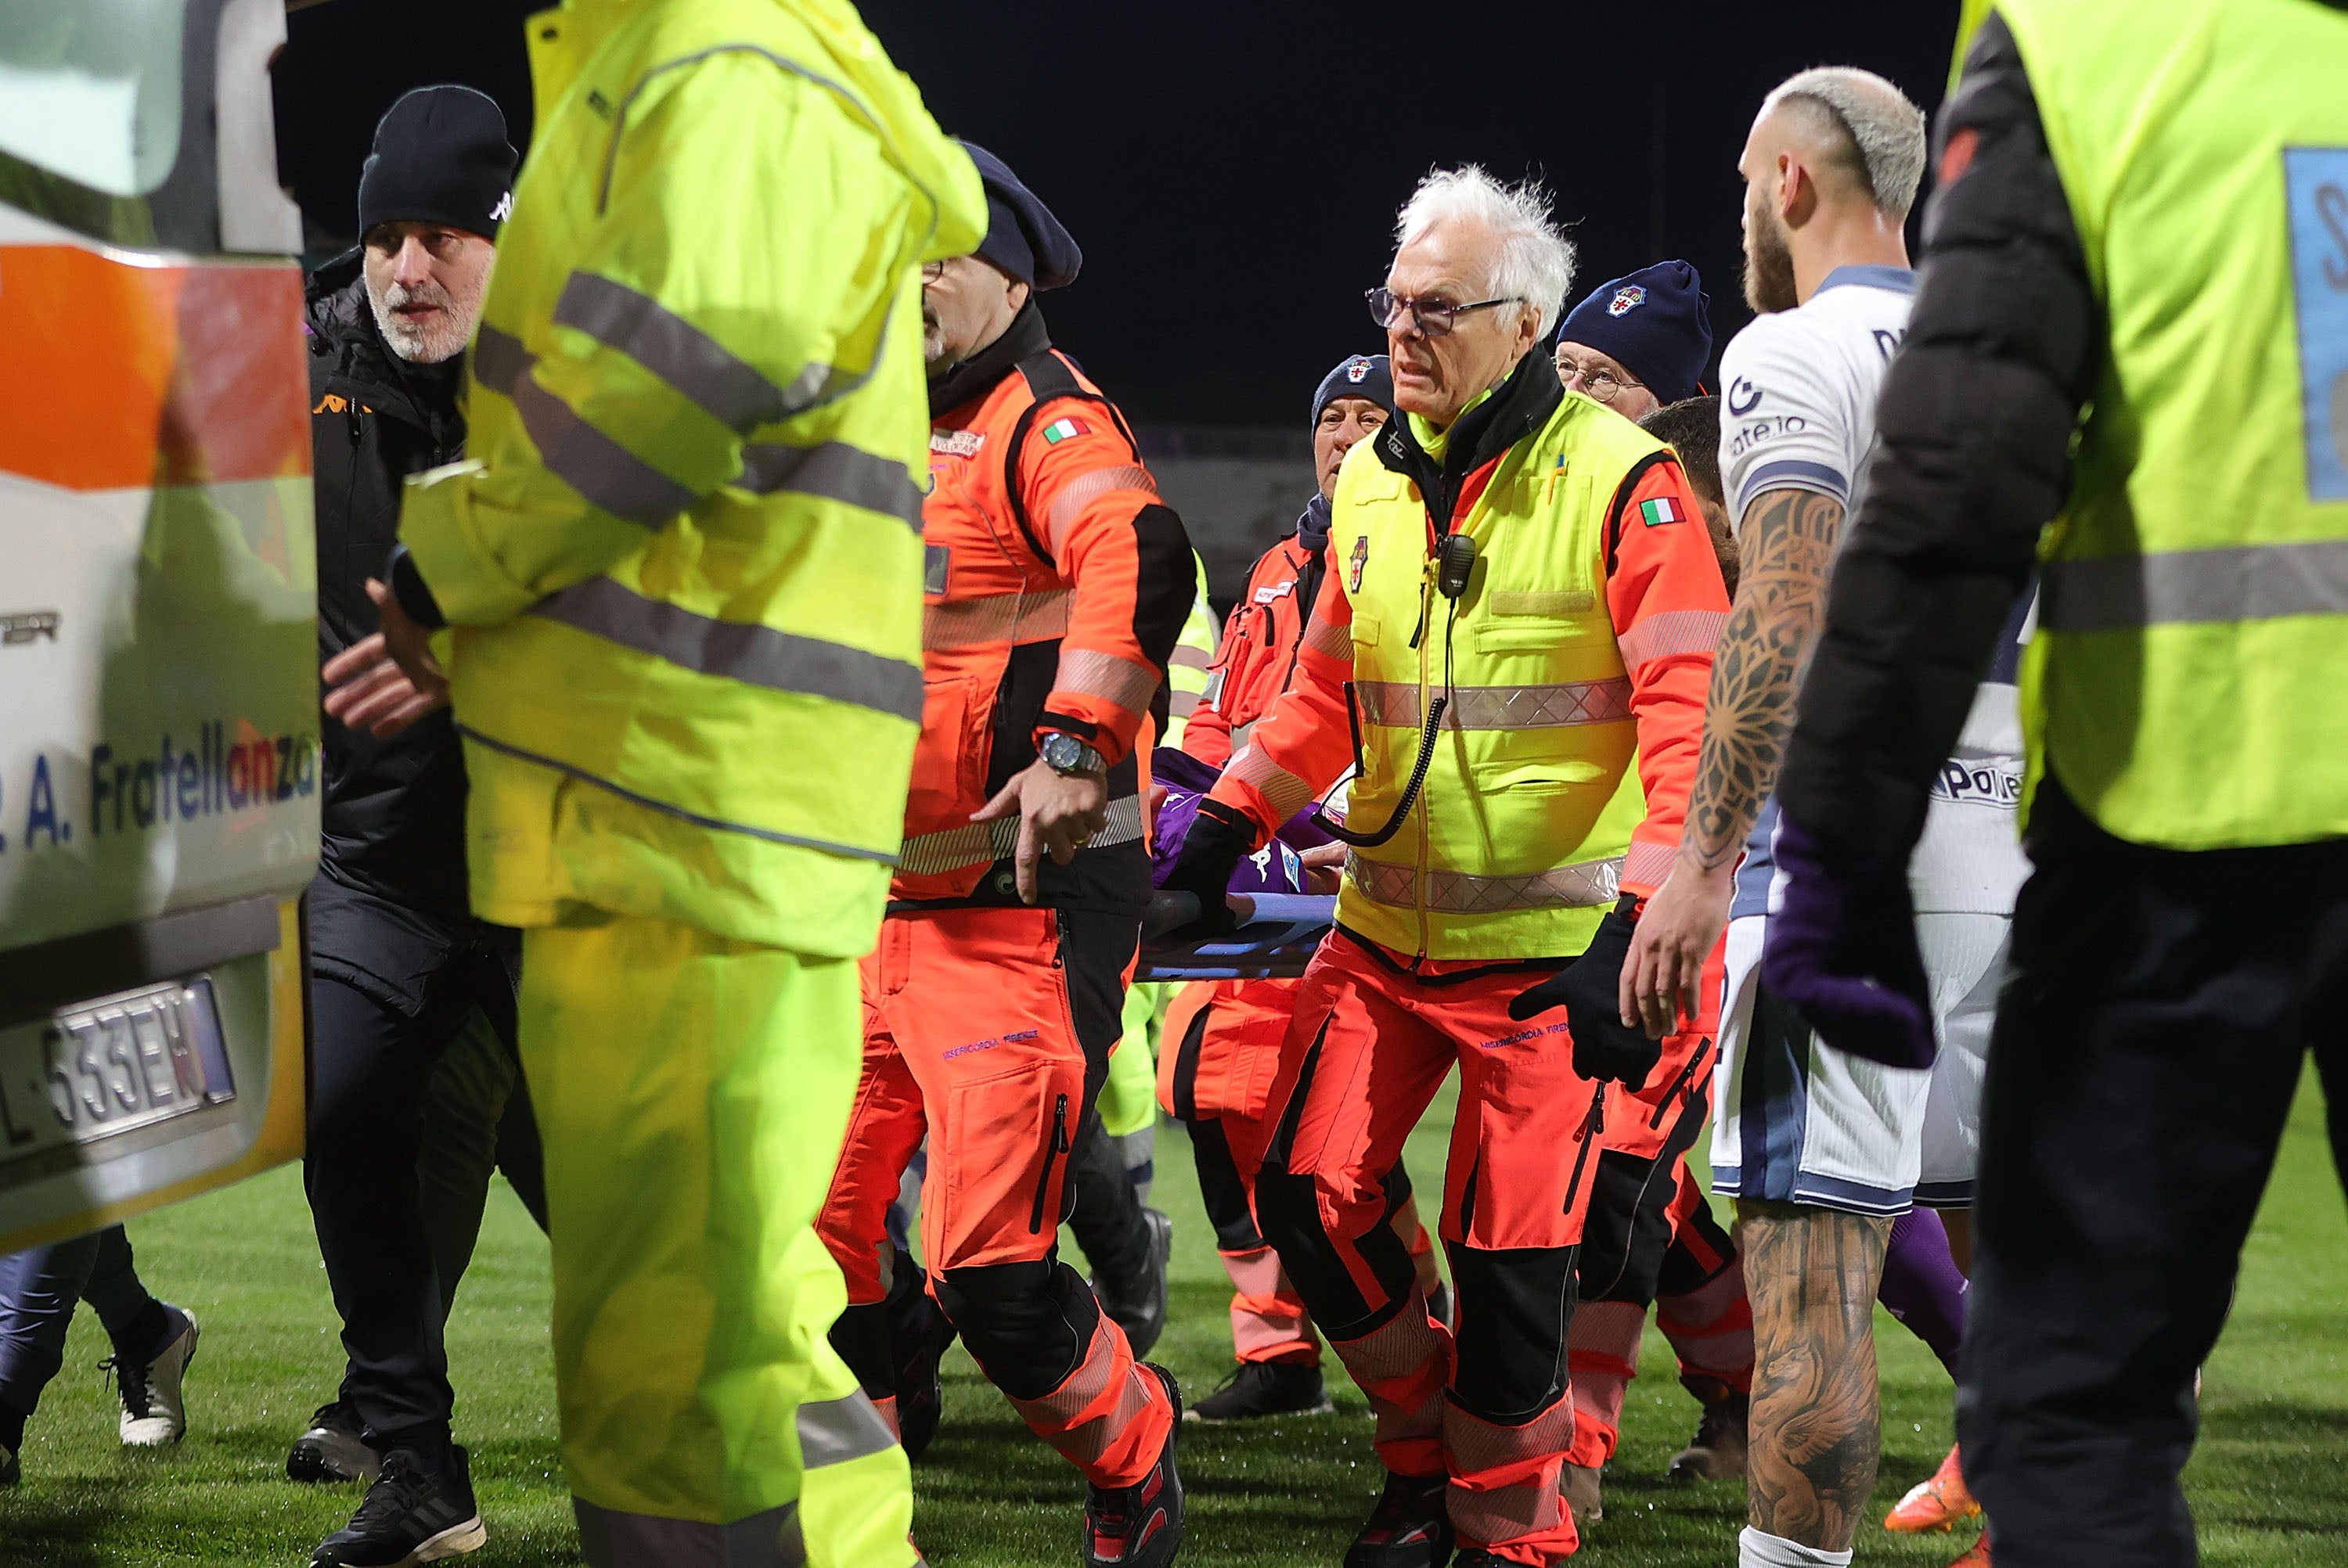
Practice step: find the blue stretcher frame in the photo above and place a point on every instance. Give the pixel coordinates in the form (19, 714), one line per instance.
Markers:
(1277, 935)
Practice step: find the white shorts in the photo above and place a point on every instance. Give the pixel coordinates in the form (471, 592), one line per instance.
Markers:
(1801, 1122)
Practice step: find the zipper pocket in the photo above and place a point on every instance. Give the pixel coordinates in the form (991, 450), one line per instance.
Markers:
(1679, 1084)
(1590, 1133)
(1052, 1152)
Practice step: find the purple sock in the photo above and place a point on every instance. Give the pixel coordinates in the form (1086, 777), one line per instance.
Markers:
(1922, 1286)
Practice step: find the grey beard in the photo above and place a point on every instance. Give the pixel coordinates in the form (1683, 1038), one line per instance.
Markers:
(426, 347)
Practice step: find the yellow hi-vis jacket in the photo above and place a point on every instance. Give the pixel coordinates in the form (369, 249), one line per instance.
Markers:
(682, 568)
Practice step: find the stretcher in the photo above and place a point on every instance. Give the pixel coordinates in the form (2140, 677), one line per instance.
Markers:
(1275, 938)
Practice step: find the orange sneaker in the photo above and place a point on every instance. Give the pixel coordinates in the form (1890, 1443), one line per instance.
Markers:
(1976, 1555)
(1938, 1503)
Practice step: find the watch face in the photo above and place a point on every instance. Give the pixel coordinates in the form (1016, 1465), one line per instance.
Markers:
(1061, 750)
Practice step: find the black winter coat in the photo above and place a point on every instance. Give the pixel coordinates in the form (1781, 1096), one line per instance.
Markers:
(394, 812)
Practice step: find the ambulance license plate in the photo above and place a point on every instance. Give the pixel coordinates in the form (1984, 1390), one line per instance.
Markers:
(112, 1066)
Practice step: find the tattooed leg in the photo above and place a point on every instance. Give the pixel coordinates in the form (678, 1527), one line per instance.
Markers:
(1816, 1423)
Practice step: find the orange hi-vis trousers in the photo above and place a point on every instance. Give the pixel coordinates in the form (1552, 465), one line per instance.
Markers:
(988, 1030)
(1371, 1041)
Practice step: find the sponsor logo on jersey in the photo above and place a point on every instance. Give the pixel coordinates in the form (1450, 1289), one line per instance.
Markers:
(1626, 299)
(957, 442)
(1997, 785)
(1743, 398)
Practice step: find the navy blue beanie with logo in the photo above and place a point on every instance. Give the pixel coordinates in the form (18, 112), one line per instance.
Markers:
(1023, 238)
(441, 156)
(1656, 324)
(1369, 376)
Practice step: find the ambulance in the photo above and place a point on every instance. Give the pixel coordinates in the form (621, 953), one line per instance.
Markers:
(159, 687)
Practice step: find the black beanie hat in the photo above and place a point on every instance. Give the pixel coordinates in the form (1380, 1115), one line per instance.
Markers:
(1367, 375)
(1023, 238)
(441, 156)
(1656, 324)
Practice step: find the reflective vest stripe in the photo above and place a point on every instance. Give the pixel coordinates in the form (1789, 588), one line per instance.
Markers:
(1082, 490)
(1577, 886)
(696, 364)
(2233, 583)
(1014, 618)
(1105, 675)
(716, 823)
(985, 842)
(1396, 705)
(834, 1431)
(1282, 791)
(773, 1539)
(609, 477)
(1673, 632)
(741, 651)
(837, 472)
(1327, 639)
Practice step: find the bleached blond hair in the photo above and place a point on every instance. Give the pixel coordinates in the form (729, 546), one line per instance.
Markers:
(1884, 130)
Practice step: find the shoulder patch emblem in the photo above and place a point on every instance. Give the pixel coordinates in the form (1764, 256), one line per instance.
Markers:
(1356, 563)
(1626, 299)
(957, 442)
(1060, 430)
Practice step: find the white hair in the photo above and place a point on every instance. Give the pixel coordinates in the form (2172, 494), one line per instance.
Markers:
(1535, 263)
(1885, 130)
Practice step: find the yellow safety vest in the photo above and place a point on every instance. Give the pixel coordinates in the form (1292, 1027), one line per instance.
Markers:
(2184, 685)
(683, 568)
(1515, 847)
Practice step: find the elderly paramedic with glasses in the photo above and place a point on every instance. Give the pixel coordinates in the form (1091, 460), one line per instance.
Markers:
(1517, 622)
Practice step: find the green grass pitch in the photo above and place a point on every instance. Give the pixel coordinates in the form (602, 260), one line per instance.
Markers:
(2268, 1484)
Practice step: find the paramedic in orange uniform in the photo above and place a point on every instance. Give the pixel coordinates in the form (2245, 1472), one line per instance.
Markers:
(1057, 583)
(1533, 563)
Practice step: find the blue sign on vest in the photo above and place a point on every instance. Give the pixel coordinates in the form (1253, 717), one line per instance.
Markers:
(2318, 181)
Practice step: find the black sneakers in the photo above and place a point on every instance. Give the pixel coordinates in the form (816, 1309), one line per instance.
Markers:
(1717, 1452)
(1408, 1529)
(334, 1448)
(1139, 1526)
(1260, 1388)
(413, 1514)
(1138, 1306)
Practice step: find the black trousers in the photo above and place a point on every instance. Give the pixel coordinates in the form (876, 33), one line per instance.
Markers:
(2146, 1052)
(389, 1231)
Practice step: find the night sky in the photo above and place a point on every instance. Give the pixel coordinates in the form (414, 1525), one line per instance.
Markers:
(1232, 170)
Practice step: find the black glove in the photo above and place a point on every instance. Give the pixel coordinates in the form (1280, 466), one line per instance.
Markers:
(1589, 990)
(1219, 837)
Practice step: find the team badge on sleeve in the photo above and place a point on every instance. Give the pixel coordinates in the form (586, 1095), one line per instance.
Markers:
(1061, 430)
(1660, 510)
(1626, 299)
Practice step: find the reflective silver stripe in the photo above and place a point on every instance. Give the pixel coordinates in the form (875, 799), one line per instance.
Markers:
(2237, 582)
(1578, 886)
(833, 1432)
(1240, 734)
(1015, 618)
(1282, 791)
(739, 651)
(838, 472)
(696, 364)
(669, 808)
(610, 1539)
(985, 842)
(1396, 705)
(605, 473)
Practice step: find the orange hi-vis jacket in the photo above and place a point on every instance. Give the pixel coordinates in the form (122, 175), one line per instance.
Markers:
(1055, 585)
(1257, 658)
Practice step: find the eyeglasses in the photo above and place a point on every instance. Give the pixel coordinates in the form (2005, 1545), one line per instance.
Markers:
(1598, 384)
(933, 271)
(1429, 318)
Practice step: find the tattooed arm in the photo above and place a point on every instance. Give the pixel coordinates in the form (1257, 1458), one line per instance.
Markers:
(1815, 1432)
(1785, 546)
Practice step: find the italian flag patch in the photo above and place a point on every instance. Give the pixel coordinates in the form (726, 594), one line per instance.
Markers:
(1659, 511)
(1059, 430)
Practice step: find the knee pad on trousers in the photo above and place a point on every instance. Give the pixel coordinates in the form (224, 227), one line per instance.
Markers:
(862, 1339)
(1289, 1210)
(1514, 1307)
(1027, 1324)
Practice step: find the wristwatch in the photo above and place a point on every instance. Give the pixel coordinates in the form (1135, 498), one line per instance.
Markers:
(1068, 756)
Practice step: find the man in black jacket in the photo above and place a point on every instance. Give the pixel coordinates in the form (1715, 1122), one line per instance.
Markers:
(417, 1089)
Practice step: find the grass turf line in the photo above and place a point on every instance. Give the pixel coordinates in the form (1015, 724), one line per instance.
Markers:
(2268, 1484)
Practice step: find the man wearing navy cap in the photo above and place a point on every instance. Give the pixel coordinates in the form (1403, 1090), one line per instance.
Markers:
(1057, 583)
(1640, 341)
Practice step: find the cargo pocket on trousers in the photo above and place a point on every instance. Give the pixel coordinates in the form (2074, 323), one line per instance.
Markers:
(1010, 1137)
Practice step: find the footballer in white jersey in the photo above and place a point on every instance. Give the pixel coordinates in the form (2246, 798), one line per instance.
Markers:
(1796, 1124)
